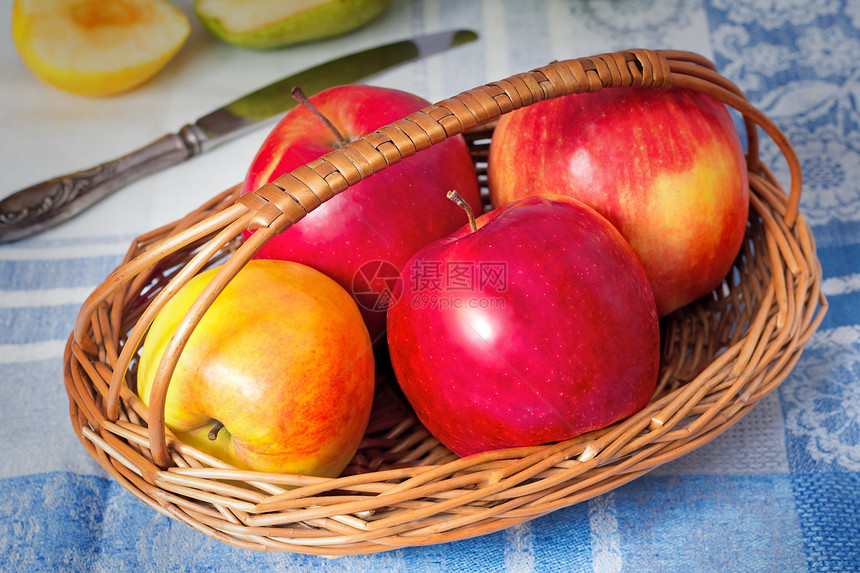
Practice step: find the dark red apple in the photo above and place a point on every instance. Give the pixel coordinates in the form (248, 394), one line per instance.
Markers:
(377, 224)
(536, 327)
(666, 167)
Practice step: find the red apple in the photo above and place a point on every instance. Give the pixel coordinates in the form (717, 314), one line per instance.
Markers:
(379, 222)
(279, 371)
(538, 326)
(666, 167)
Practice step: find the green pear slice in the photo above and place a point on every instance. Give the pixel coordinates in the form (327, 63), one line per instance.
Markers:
(263, 24)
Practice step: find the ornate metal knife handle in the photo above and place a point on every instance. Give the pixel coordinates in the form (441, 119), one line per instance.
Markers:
(47, 203)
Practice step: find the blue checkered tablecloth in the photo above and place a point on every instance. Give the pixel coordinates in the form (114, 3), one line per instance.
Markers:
(779, 491)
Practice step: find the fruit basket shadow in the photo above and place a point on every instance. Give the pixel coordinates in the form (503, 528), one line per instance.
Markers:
(720, 354)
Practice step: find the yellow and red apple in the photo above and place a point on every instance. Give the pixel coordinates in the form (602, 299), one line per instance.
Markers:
(666, 167)
(278, 376)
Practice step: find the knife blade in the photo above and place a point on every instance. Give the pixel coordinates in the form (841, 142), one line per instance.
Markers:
(49, 203)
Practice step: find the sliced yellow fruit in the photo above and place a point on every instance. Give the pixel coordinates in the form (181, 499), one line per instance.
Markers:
(97, 47)
(263, 24)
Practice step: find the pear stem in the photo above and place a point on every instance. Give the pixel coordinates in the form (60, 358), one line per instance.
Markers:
(213, 433)
(458, 199)
(300, 97)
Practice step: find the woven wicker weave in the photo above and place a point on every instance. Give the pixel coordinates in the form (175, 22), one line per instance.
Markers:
(721, 354)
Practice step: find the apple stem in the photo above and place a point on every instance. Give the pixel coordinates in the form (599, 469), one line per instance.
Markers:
(213, 433)
(300, 97)
(458, 199)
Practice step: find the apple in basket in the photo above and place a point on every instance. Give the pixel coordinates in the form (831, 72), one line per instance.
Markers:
(278, 376)
(666, 167)
(536, 325)
(363, 236)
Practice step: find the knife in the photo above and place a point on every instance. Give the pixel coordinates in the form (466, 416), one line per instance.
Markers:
(52, 202)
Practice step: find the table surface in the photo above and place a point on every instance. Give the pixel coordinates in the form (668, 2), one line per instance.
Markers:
(779, 491)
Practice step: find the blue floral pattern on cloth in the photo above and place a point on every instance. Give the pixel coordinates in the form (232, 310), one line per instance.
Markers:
(779, 491)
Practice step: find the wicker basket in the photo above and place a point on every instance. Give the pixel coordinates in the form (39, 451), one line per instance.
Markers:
(721, 354)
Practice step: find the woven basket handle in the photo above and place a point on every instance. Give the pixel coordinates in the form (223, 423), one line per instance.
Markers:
(291, 196)
(277, 205)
